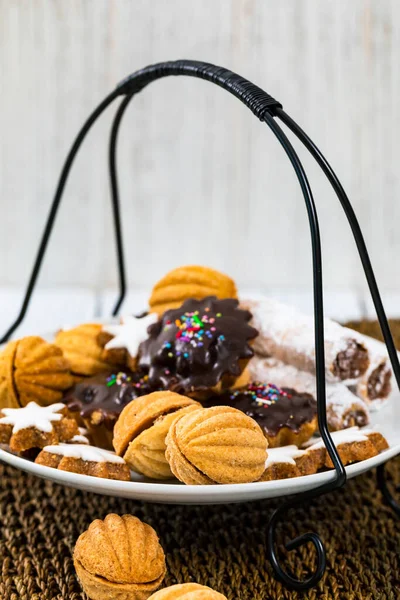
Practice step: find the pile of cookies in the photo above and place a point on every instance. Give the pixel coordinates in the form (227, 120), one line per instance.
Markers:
(172, 393)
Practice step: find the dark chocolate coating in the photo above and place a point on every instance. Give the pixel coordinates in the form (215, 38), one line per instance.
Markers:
(352, 362)
(272, 407)
(93, 394)
(192, 347)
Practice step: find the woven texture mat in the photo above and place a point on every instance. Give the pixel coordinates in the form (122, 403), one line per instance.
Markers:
(221, 546)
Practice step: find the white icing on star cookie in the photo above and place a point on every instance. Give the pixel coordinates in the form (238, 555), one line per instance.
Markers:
(344, 436)
(84, 452)
(284, 454)
(80, 438)
(32, 415)
(130, 333)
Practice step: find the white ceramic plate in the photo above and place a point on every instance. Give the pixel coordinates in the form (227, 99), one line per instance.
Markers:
(387, 420)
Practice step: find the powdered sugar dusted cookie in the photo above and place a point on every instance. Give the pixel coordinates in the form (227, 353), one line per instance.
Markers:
(122, 341)
(35, 426)
(288, 461)
(353, 445)
(85, 460)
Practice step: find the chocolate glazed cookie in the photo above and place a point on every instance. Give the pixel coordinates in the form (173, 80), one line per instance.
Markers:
(285, 415)
(96, 402)
(202, 345)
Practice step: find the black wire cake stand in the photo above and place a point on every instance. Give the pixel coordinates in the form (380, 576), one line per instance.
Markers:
(269, 111)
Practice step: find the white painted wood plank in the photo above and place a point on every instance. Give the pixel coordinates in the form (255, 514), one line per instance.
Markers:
(50, 309)
(201, 179)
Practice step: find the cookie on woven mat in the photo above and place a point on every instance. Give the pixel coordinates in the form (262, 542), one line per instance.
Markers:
(119, 558)
(216, 445)
(187, 282)
(200, 348)
(85, 460)
(285, 415)
(187, 591)
(34, 426)
(122, 340)
(289, 461)
(353, 445)
(81, 348)
(140, 432)
(31, 369)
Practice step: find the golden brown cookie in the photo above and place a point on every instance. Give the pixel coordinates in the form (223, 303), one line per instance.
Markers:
(85, 460)
(190, 281)
(140, 432)
(353, 445)
(289, 461)
(216, 445)
(187, 591)
(285, 416)
(81, 348)
(119, 558)
(8, 394)
(121, 341)
(33, 426)
(32, 370)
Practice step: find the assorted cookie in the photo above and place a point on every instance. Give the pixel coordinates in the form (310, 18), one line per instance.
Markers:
(289, 461)
(284, 415)
(31, 369)
(96, 402)
(179, 393)
(216, 445)
(82, 350)
(33, 426)
(187, 591)
(139, 435)
(201, 347)
(121, 342)
(190, 282)
(353, 445)
(85, 460)
(120, 558)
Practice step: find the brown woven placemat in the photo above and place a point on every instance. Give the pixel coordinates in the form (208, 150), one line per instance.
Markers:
(221, 546)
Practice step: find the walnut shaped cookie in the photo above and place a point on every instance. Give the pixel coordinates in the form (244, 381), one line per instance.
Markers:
(142, 428)
(119, 558)
(32, 370)
(216, 445)
(192, 281)
(187, 591)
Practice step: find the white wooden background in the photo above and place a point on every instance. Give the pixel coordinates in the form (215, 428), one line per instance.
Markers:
(201, 179)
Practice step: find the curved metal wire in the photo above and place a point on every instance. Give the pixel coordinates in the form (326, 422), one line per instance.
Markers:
(54, 208)
(366, 263)
(340, 472)
(386, 493)
(112, 152)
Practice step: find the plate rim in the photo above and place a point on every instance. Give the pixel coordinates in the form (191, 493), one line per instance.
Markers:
(163, 490)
